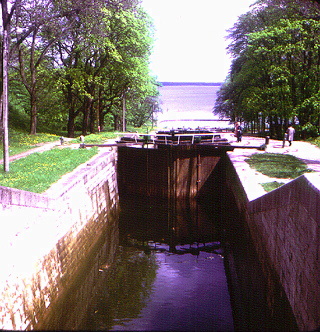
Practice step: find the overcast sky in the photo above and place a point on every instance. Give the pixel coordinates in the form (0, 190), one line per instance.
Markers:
(190, 36)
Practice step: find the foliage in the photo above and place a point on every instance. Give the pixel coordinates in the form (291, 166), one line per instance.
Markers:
(70, 71)
(274, 77)
(38, 171)
(315, 141)
(310, 130)
(277, 165)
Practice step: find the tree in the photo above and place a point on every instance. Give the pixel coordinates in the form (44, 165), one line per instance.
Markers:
(98, 69)
(132, 36)
(89, 53)
(275, 71)
(38, 19)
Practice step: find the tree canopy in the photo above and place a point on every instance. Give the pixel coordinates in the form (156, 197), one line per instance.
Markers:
(274, 76)
(73, 63)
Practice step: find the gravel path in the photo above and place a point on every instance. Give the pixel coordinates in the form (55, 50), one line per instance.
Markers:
(41, 148)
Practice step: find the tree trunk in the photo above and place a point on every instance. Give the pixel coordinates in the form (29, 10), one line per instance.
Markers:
(92, 118)
(33, 116)
(71, 126)
(33, 98)
(86, 114)
(116, 122)
(271, 127)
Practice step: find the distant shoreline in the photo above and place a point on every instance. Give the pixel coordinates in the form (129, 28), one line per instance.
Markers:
(190, 83)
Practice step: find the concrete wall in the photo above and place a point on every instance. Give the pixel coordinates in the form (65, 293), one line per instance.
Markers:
(48, 238)
(284, 227)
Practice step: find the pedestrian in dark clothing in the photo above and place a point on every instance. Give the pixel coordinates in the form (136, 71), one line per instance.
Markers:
(238, 131)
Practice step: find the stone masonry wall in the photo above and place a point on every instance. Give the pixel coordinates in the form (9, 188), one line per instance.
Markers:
(284, 226)
(48, 238)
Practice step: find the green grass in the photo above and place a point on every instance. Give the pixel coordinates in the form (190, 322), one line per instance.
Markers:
(99, 138)
(278, 165)
(21, 141)
(38, 171)
(269, 186)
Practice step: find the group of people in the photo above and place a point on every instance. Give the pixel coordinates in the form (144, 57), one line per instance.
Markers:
(289, 135)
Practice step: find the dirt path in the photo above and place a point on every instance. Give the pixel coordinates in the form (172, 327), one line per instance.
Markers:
(41, 148)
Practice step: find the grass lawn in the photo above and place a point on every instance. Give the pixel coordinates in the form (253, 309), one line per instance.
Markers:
(99, 138)
(278, 165)
(269, 186)
(21, 141)
(38, 171)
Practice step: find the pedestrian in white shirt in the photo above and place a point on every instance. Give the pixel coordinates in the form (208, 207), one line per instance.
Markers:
(290, 134)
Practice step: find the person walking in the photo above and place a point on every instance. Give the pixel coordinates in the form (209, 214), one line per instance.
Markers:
(290, 134)
(238, 131)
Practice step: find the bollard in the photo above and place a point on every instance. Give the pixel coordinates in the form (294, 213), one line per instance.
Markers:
(82, 142)
(267, 140)
(284, 139)
(61, 140)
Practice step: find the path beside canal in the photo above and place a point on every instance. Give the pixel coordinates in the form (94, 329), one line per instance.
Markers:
(252, 179)
(42, 147)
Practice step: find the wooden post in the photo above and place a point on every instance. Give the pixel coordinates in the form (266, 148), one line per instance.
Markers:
(4, 99)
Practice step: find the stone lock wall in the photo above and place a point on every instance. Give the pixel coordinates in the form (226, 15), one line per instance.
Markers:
(284, 228)
(48, 239)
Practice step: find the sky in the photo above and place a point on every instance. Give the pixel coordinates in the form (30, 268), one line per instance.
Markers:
(190, 44)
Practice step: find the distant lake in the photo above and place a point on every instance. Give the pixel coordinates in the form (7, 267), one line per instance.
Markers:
(185, 102)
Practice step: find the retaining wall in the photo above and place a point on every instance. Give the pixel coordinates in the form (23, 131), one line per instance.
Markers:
(284, 227)
(48, 238)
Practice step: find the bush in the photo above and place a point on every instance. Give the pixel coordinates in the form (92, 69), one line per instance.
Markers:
(309, 130)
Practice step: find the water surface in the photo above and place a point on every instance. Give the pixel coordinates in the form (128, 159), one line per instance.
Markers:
(176, 284)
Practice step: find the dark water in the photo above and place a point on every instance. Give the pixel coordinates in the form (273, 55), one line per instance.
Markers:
(167, 275)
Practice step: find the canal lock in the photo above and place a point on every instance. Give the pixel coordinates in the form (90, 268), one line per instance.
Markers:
(175, 200)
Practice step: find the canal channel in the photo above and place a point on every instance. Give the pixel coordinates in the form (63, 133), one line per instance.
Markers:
(165, 277)
(170, 270)
(180, 257)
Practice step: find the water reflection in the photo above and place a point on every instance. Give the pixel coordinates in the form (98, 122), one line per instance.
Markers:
(169, 272)
(126, 289)
(185, 223)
